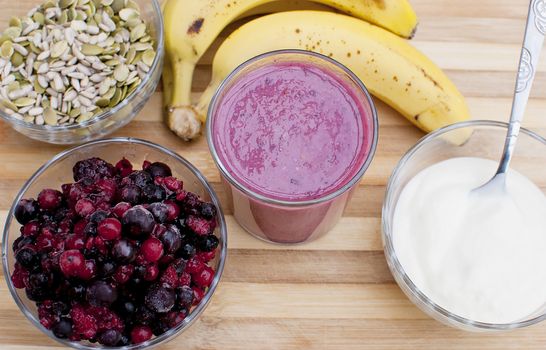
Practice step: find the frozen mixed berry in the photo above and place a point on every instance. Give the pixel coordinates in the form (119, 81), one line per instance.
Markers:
(109, 229)
(26, 210)
(49, 199)
(118, 256)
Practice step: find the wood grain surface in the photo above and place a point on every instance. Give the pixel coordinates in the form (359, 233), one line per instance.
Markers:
(337, 292)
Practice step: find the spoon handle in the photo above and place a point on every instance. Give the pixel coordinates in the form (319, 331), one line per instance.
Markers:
(530, 52)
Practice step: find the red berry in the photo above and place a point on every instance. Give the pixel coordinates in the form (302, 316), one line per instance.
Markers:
(124, 167)
(124, 273)
(194, 266)
(107, 189)
(198, 225)
(74, 241)
(19, 277)
(169, 277)
(84, 324)
(152, 249)
(80, 226)
(204, 278)
(206, 256)
(84, 207)
(89, 271)
(120, 209)
(180, 196)
(145, 164)
(31, 229)
(151, 273)
(172, 209)
(140, 334)
(109, 229)
(198, 295)
(172, 183)
(49, 199)
(185, 279)
(72, 262)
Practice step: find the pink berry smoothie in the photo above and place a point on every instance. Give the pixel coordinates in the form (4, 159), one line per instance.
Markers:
(292, 132)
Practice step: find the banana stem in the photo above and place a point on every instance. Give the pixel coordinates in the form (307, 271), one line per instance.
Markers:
(204, 101)
(182, 82)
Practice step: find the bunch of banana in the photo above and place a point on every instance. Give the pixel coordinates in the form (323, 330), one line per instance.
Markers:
(391, 69)
(192, 26)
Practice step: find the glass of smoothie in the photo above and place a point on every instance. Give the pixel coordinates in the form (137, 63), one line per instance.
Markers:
(292, 133)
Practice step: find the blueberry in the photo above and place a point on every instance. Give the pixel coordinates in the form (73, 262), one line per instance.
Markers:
(208, 210)
(93, 169)
(107, 268)
(26, 210)
(144, 315)
(63, 329)
(28, 257)
(40, 280)
(187, 252)
(110, 337)
(153, 193)
(98, 216)
(138, 221)
(184, 297)
(208, 243)
(159, 169)
(123, 251)
(37, 294)
(126, 308)
(159, 299)
(131, 194)
(20, 242)
(101, 293)
(76, 292)
(171, 239)
(141, 178)
(160, 211)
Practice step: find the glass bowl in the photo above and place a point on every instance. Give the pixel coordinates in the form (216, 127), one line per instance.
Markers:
(59, 170)
(302, 220)
(115, 118)
(484, 139)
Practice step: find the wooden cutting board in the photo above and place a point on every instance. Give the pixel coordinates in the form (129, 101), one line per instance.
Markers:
(335, 293)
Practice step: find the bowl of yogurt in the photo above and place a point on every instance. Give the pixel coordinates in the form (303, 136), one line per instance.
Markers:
(471, 260)
(292, 133)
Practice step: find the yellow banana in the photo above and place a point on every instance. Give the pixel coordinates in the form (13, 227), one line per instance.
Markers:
(392, 70)
(192, 25)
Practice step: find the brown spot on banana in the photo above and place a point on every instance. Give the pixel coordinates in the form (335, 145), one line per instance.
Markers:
(431, 79)
(196, 26)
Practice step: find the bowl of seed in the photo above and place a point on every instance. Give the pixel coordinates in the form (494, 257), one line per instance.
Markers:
(76, 70)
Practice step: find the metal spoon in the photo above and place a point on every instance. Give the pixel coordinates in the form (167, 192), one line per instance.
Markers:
(530, 52)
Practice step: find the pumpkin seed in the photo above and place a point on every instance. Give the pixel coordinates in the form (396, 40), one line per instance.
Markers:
(13, 32)
(50, 116)
(91, 50)
(24, 102)
(59, 48)
(148, 57)
(128, 13)
(6, 50)
(121, 73)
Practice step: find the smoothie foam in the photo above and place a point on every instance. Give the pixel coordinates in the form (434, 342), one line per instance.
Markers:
(292, 131)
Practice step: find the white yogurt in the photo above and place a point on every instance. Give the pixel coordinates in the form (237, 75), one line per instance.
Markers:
(480, 256)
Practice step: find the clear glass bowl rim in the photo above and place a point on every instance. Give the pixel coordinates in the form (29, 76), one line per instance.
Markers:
(233, 181)
(394, 264)
(196, 312)
(105, 115)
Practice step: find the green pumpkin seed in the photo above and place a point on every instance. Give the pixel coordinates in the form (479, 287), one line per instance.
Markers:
(121, 73)
(59, 48)
(138, 32)
(118, 5)
(116, 98)
(17, 59)
(38, 88)
(133, 5)
(24, 102)
(74, 113)
(91, 50)
(84, 117)
(50, 116)
(15, 22)
(103, 102)
(39, 18)
(63, 4)
(49, 4)
(10, 105)
(148, 57)
(13, 32)
(110, 93)
(6, 50)
(14, 86)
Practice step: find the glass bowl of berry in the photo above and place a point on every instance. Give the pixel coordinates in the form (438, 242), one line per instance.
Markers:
(117, 243)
